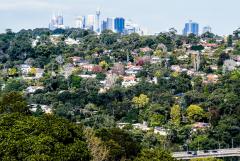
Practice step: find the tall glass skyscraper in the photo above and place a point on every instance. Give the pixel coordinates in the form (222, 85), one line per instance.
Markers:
(110, 24)
(80, 22)
(60, 20)
(119, 24)
(56, 22)
(90, 22)
(191, 28)
(104, 26)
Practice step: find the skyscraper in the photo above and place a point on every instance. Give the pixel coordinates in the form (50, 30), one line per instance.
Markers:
(131, 27)
(60, 19)
(80, 22)
(103, 26)
(207, 29)
(56, 22)
(110, 24)
(119, 24)
(191, 28)
(98, 13)
(90, 22)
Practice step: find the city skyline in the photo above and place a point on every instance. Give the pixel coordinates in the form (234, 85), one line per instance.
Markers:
(156, 16)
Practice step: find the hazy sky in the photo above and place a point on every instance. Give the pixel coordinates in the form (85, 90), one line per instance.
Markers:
(155, 15)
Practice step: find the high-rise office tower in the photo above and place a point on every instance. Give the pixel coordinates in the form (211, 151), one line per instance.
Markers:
(80, 22)
(110, 24)
(103, 26)
(131, 27)
(53, 22)
(207, 29)
(98, 13)
(60, 19)
(191, 28)
(119, 24)
(56, 22)
(90, 22)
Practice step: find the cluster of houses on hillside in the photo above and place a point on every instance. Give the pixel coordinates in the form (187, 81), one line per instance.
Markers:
(128, 72)
(198, 126)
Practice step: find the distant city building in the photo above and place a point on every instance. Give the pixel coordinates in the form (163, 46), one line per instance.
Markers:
(191, 28)
(60, 20)
(131, 27)
(119, 24)
(103, 26)
(56, 22)
(80, 22)
(207, 29)
(110, 24)
(98, 13)
(90, 22)
(94, 23)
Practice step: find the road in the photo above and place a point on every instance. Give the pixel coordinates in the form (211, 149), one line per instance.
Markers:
(218, 153)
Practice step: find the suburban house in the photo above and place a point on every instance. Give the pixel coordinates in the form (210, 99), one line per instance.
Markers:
(24, 68)
(133, 70)
(45, 108)
(33, 89)
(129, 81)
(161, 131)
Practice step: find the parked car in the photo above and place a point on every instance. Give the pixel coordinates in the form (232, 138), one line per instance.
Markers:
(214, 151)
(189, 152)
(194, 153)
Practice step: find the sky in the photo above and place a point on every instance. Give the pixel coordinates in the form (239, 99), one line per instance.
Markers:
(154, 15)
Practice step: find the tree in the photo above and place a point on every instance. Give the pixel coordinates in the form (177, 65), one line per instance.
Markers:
(121, 144)
(197, 47)
(193, 39)
(140, 101)
(98, 151)
(236, 33)
(230, 41)
(12, 72)
(13, 102)
(32, 71)
(99, 121)
(165, 39)
(175, 115)
(195, 113)
(41, 138)
(203, 142)
(104, 64)
(154, 155)
(15, 85)
(108, 37)
(222, 57)
(21, 46)
(75, 81)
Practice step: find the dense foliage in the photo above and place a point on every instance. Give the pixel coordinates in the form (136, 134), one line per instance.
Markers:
(97, 103)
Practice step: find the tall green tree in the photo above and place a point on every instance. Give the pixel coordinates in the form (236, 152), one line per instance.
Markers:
(41, 138)
(195, 113)
(13, 102)
(154, 155)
